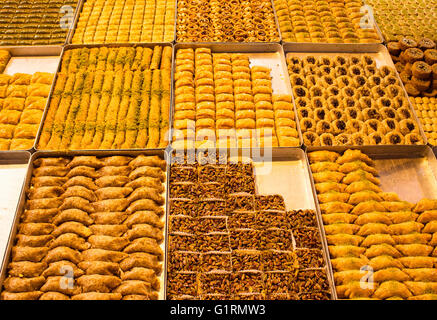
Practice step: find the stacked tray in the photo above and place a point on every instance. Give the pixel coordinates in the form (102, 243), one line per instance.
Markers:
(109, 97)
(27, 79)
(153, 80)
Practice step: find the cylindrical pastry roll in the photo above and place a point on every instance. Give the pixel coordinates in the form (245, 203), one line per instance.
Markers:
(366, 102)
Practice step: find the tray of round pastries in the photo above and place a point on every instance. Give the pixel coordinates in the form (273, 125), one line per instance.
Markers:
(26, 81)
(238, 230)
(326, 25)
(379, 215)
(352, 99)
(109, 97)
(231, 95)
(137, 21)
(89, 226)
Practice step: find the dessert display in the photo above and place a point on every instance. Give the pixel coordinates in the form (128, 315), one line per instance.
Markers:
(416, 62)
(349, 100)
(110, 98)
(5, 56)
(381, 247)
(115, 21)
(324, 22)
(226, 241)
(226, 21)
(221, 100)
(398, 19)
(23, 98)
(426, 110)
(91, 229)
(36, 22)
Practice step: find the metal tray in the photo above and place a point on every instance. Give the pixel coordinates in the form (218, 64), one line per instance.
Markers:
(266, 54)
(273, 172)
(31, 59)
(45, 47)
(78, 12)
(76, 46)
(14, 223)
(410, 174)
(332, 47)
(223, 43)
(382, 58)
(13, 168)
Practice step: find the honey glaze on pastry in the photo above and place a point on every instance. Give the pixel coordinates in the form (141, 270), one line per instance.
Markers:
(323, 127)
(377, 138)
(390, 125)
(395, 137)
(376, 228)
(352, 89)
(321, 114)
(343, 139)
(354, 126)
(338, 127)
(353, 114)
(360, 139)
(413, 138)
